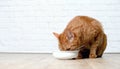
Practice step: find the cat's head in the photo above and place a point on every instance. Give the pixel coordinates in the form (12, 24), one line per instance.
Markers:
(68, 41)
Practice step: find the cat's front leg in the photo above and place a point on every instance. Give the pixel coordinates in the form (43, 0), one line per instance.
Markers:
(93, 50)
(94, 47)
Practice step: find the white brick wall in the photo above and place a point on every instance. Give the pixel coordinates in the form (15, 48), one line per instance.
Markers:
(27, 25)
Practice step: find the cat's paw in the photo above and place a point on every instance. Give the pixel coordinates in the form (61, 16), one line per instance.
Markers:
(92, 56)
(79, 56)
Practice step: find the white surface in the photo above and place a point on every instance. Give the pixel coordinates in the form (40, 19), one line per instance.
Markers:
(27, 25)
(65, 54)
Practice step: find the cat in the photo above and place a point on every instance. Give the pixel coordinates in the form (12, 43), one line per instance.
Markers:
(85, 34)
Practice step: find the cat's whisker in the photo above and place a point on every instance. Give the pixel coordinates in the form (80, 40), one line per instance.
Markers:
(80, 47)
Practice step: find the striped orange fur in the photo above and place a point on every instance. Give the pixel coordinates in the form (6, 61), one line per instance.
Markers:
(85, 34)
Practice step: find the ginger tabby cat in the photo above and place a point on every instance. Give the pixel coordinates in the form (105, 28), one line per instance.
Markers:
(85, 34)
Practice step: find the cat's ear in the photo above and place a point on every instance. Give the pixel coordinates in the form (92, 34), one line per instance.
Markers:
(56, 35)
(70, 36)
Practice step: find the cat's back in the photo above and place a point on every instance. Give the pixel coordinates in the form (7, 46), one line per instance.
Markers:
(83, 21)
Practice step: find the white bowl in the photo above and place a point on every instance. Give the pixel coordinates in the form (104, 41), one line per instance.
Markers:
(65, 54)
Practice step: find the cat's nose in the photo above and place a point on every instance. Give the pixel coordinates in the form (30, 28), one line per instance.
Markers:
(68, 49)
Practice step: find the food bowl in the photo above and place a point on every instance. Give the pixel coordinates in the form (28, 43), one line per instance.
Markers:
(65, 54)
